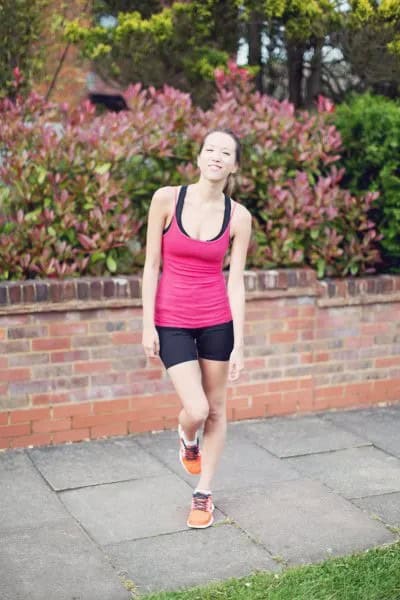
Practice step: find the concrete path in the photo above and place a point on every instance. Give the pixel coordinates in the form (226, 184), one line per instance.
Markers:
(102, 519)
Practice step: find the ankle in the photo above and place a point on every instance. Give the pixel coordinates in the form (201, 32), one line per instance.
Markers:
(188, 442)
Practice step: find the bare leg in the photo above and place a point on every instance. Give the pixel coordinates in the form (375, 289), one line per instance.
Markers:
(214, 382)
(187, 380)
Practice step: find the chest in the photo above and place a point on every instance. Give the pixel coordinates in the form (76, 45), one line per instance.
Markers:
(202, 223)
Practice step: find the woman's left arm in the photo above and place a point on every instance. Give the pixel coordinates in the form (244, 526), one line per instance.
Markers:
(236, 291)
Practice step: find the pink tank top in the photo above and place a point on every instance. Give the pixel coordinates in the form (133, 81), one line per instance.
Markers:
(191, 291)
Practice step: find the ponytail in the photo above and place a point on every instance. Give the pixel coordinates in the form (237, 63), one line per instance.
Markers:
(230, 185)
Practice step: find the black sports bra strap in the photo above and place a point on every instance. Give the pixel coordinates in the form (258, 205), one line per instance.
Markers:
(179, 208)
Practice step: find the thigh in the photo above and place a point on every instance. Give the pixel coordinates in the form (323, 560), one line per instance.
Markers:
(187, 380)
(177, 345)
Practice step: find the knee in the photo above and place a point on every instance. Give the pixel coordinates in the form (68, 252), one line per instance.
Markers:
(217, 411)
(198, 414)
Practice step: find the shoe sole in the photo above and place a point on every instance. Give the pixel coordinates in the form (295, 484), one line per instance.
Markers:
(202, 526)
(184, 466)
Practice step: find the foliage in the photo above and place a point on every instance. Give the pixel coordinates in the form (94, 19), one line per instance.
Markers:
(370, 128)
(20, 28)
(182, 45)
(72, 188)
(62, 213)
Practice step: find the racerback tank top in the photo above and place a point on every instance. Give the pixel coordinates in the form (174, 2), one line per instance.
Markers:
(191, 290)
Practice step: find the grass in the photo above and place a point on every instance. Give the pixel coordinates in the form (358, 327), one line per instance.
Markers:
(371, 575)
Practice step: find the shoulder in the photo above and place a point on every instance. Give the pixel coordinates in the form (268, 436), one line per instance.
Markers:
(164, 194)
(242, 219)
(163, 200)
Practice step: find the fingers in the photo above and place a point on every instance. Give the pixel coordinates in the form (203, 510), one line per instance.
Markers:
(152, 351)
(234, 371)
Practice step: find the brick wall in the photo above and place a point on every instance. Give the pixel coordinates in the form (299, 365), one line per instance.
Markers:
(72, 365)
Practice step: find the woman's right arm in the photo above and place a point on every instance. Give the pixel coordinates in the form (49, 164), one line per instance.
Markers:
(158, 213)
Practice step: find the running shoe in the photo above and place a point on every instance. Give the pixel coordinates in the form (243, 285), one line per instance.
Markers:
(201, 511)
(190, 456)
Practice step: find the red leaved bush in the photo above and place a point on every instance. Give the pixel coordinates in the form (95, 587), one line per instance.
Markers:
(76, 186)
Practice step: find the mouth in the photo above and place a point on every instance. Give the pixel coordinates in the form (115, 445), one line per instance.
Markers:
(216, 167)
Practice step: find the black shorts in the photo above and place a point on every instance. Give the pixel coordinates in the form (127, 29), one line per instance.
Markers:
(180, 344)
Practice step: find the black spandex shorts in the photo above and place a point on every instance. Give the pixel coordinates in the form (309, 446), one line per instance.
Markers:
(179, 344)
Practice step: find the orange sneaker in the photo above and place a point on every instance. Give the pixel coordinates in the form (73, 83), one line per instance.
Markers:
(201, 511)
(190, 456)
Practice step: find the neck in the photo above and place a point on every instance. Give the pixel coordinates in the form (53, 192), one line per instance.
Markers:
(209, 191)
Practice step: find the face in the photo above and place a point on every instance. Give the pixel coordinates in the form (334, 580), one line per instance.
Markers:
(217, 158)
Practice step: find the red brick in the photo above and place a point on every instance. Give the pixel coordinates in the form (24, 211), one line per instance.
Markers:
(17, 374)
(98, 366)
(306, 358)
(250, 389)
(282, 385)
(2, 334)
(110, 429)
(283, 337)
(3, 418)
(299, 324)
(51, 344)
(50, 398)
(15, 430)
(127, 337)
(110, 406)
(30, 414)
(239, 402)
(328, 392)
(51, 425)
(375, 328)
(73, 435)
(252, 412)
(79, 421)
(36, 439)
(70, 410)
(306, 383)
(67, 329)
(254, 363)
(72, 356)
(387, 389)
(389, 361)
(153, 412)
(3, 362)
(139, 374)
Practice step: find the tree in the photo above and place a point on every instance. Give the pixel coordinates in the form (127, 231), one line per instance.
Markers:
(20, 27)
(180, 45)
(319, 46)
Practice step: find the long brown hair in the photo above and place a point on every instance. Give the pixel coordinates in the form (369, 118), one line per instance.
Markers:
(231, 180)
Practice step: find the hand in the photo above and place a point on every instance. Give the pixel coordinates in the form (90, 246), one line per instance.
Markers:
(236, 363)
(151, 342)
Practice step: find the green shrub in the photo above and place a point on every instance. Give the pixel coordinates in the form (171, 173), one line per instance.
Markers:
(370, 129)
(68, 176)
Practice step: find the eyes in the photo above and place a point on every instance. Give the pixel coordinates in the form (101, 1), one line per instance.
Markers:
(223, 152)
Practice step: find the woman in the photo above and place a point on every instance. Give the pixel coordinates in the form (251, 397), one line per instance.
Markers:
(191, 319)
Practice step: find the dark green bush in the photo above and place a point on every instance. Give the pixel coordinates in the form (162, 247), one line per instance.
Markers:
(370, 129)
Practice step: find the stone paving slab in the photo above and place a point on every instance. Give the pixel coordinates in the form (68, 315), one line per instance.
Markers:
(242, 465)
(303, 521)
(100, 461)
(56, 563)
(294, 436)
(386, 506)
(131, 509)
(379, 425)
(354, 472)
(189, 558)
(25, 498)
